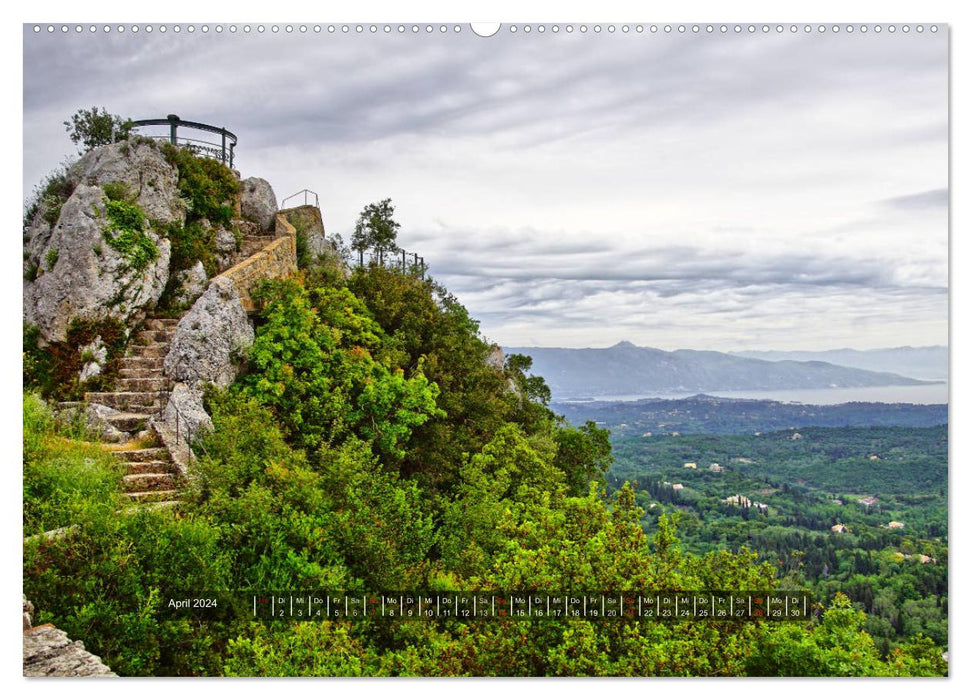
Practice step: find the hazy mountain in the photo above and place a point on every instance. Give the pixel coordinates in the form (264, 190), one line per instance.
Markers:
(709, 414)
(628, 369)
(921, 363)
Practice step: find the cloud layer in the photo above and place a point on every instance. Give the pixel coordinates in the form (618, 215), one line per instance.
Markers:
(782, 191)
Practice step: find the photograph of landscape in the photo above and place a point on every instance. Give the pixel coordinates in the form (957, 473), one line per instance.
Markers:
(449, 350)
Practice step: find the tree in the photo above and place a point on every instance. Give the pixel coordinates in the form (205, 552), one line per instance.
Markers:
(376, 229)
(93, 127)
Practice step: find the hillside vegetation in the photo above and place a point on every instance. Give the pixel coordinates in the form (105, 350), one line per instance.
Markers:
(375, 443)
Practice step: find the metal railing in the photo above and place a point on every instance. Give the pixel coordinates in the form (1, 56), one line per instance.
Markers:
(395, 259)
(180, 421)
(306, 198)
(222, 150)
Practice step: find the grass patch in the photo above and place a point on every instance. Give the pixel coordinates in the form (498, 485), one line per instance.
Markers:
(65, 475)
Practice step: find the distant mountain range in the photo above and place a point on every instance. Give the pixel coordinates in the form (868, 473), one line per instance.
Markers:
(920, 363)
(709, 414)
(626, 369)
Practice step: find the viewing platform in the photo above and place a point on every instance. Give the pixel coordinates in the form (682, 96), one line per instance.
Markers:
(222, 148)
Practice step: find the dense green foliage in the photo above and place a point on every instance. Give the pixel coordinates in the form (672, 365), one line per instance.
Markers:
(125, 232)
(90, 128)
(376, 228)
(376, 442)
(64, 475)
(821, 479)
(48, 198)
(207, 188)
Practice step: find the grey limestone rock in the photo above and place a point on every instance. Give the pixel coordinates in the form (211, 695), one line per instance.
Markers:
(192, 283)
(98, 354)
(49, 652)
(258, 202)
(83, 276)
(142, 168)
(96, 420)
(211, 338)
(184, 415)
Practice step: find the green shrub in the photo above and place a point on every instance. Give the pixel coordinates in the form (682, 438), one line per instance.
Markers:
(53, 370)
(125, 232)
(316, 649)
(51, 258)
(117, 191)
(104, 583)
(90, 128)
(207, 185)
(49, 197)
(63, 477)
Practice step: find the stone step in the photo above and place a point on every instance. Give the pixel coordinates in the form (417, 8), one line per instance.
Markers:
(152, 382)
(152, 481)
(155, 350)
(155, 467)
(147, 337)
(151, 496)
(161, 324)
(142, 454)
(133, 401)
(129, 422)
(152, 363)
(151, 373)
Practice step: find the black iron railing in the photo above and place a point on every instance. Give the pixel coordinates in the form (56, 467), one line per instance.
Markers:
(395, 259)
(223, 150)
(181, 424)
(307, 194)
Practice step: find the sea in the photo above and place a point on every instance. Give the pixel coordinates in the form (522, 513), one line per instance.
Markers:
(918, 394)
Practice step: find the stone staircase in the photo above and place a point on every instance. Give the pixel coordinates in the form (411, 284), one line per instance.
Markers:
(250, 245)
(141, 392)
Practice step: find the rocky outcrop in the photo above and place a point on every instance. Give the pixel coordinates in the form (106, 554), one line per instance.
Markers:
(49, 652)
(94, 355)
(258, 202)
(71, 270)
(496, 359)
(144, 172)
(192, 283)
(211, 338)
(185, 413)
(309, 225)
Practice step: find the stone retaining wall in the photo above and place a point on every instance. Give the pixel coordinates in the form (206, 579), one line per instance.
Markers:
(276, 261)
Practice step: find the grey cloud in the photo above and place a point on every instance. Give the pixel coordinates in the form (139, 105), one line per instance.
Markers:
(561, 117)
(931, 199)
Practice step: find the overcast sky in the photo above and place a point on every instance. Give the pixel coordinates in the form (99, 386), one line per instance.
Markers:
(766, 191)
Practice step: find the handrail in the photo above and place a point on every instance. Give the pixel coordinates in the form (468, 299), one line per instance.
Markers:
(217, 150)
(179, 418)
(303, 192)
(397, 258)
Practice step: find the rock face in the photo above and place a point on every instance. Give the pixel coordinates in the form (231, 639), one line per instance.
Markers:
(225, 247)
(49, 652)
(80, 274)
(496, 359)
(192, 283)
(142, 168)
(210, 338)
(308, 222)
(98, 354)
(258, 203)
(185, 414)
